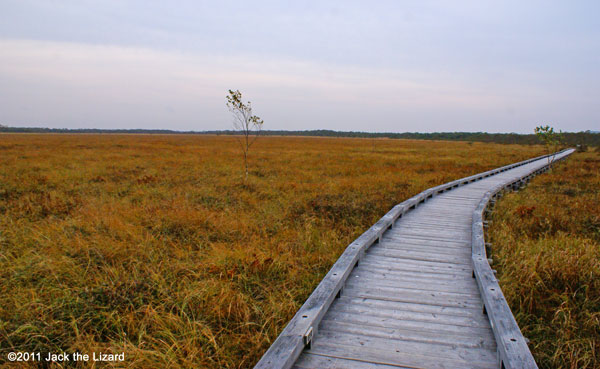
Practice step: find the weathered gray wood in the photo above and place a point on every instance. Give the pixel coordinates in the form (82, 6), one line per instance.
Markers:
(406, 267)
(413, 218)
(416, 265)
(402, 312)
(385, 351)
(434, 225)
(381, 259)
(418, 256)
(424, 249)
(423, 239)
(512, 347)
(445, 234)
(438, 323)
(392, 288)
(401, 277)
(420, 246)
(311, 361)
(418, 274)
(426, 227)
(464, 286)
(415, 296)
(366, 271)
(416, 307)
(411, 331)
(290, 343)
(410, 235)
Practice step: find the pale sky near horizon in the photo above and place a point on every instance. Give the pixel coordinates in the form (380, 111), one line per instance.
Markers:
(379, 66)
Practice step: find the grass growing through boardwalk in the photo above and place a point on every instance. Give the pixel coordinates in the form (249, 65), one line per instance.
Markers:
(547, 244)
(155, 246)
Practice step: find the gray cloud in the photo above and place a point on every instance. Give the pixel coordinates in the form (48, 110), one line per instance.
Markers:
(388, 66)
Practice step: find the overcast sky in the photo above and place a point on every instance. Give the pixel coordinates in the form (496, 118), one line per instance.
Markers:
(397, 66)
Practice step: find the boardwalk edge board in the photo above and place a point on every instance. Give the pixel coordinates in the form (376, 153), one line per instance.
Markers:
(512, 348)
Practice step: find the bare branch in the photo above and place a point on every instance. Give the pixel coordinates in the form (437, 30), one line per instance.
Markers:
(244, 121)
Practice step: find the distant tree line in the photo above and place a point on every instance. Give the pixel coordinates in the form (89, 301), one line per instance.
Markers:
(589, 138)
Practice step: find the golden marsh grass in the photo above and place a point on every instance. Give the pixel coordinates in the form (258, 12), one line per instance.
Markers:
(154, 245)
(547, 245)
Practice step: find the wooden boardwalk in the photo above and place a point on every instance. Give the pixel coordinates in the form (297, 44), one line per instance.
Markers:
(411, 299)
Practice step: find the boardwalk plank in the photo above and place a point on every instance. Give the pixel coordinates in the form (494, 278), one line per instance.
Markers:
(392, 241)
(385, 351)
(460, 286)
(411, 331)
(410, 300)
(419, 255)
(405, 262)
(445, 278)
(410, 236)
(312, 361)
(406, 267)
(426, 249)
(471, 312)
(415, 296)
(370, 316)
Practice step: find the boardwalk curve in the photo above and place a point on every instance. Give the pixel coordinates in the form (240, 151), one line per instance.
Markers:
(416, 290)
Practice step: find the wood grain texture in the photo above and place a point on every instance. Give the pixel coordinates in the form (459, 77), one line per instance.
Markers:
(406, 296)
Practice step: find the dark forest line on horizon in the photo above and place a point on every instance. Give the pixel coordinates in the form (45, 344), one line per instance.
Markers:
(589, 138)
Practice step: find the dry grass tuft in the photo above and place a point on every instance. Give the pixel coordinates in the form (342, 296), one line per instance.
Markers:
(155, 246)
(547, 242)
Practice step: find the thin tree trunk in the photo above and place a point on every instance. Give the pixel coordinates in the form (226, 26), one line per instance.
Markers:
(246, 152)
(246, 163)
